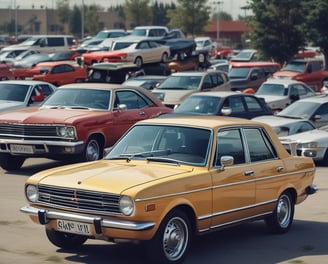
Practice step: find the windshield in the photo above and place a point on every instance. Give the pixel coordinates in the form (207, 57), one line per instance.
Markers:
(32, 41)
(164, 143)
(272, 89)
(207, 105)
(239, 73)
(139, 32)
(181, 83)
(299, 109)
(296, 66)
(79, 98)
(13, 92)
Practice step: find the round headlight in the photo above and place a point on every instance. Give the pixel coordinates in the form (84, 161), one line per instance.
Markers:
(126, 205)
(66, 131)
(32, 193)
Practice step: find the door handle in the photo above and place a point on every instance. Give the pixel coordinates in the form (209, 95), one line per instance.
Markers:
(280, 169)
(249, 173)
(142, 113)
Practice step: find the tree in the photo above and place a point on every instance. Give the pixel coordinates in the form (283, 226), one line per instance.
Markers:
(316, 25)
(138, 12)
(63, 11)
(75, 21)
(277, 28)
(191, 16)
(91, 19)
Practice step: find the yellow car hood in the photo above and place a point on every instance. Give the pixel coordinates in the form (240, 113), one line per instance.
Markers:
(107, 176)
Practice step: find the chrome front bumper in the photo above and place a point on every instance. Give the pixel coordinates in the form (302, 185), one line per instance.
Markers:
(45, 216)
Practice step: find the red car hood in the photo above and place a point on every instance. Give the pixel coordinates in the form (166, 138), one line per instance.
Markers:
(37, 115)
(289, 74)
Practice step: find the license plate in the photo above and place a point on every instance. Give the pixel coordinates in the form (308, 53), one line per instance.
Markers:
(73, 227)
(21, 149)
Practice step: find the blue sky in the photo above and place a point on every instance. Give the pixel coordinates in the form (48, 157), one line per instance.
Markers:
(230, 6)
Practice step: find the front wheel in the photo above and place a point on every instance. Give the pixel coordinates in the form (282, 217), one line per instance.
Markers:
(138, 62)
(93, 150)
(282, 218)
(171, 242)
(65, 240)
(165, 57)
(9, 162)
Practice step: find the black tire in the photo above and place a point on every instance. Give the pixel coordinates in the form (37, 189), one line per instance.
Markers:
(138, 61)
(65, 240)
(171, 241)
(282, 218)
(9, 162)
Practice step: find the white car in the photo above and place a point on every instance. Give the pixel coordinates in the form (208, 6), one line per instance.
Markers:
(137, 50)
(205, 44)
(312, 144)
(280, 93)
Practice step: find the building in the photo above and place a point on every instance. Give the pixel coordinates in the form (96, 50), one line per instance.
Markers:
(230, 32)
(45, 21)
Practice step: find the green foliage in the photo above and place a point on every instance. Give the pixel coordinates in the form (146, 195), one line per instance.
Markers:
(277, 28)
(138, 12)
(75, 21)
(191, 16)
(317, 24)
(63, 11)
(91, 19)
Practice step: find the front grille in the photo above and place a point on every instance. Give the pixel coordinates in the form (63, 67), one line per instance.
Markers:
(23, 130)
(79, 199)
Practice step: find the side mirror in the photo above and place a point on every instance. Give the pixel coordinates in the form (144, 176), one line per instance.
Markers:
(226, 161)
(226, 111)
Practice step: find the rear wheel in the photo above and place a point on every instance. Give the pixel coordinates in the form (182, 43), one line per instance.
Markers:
(282, 218)
(9, 162)
(171, 242)
(65, 240)
(165, 57)
(138, 62)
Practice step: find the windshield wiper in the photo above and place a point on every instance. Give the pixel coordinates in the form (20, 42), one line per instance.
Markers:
(162, 159)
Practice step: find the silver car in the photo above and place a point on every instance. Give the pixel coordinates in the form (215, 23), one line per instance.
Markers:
(312, 144)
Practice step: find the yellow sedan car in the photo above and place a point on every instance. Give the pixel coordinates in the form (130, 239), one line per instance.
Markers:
(168, 179)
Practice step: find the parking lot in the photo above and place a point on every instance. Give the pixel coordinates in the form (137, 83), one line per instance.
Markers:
(22, 241)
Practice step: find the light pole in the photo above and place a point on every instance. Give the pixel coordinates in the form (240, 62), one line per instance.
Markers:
(218, 20)
(82, 20)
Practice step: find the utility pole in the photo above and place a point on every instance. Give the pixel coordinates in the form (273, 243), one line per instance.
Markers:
(218, 20)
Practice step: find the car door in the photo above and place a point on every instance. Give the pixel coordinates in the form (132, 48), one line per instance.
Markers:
(145, 51)
(137, 108)
(233, 186)
(62, 74)
(320, 116)
(253, 107)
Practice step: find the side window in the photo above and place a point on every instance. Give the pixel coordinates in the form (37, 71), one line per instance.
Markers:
(55, 41)
(260, 148)
(236, 104)
(46, 89)
(131, 99)
(229, 143)
(207, 83)
(252, 104)
(315, 66)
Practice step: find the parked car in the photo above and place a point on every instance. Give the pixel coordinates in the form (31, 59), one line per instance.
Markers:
(16, 94)
(76, 123)
(178, 86)
(280, 93)
(10, 54)
(232, 104)
(22, 54)
(205, 44)
(182, 177)
(314, 109)
(21, 68)
(102, 35)
(310, 71)
(153, 32)
(6, 72)
(137, 51)
(284, 126)
(313, 144)
(245, 75)
(59, 72)
(148, 82)
(245, 55)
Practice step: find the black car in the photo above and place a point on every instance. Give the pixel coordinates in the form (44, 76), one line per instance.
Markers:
(233, 104)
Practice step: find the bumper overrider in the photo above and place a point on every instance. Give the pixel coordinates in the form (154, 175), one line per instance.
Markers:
(44, 216)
